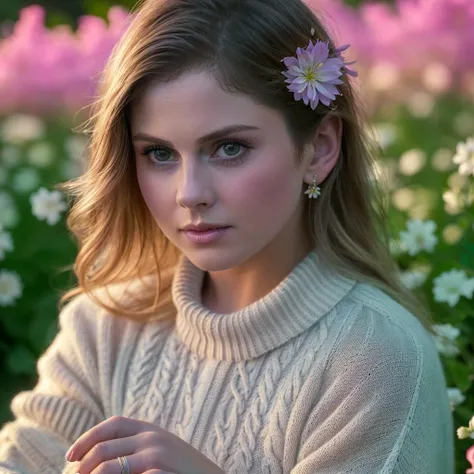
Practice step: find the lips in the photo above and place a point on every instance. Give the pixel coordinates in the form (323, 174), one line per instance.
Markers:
(206, 236)
(207, 229)
(204, 228)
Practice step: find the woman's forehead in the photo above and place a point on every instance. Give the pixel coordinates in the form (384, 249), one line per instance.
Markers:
(196, 98)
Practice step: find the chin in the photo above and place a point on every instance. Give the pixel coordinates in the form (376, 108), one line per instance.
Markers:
(214, 259)
(211, 259)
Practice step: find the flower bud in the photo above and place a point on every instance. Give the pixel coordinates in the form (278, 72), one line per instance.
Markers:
(463, 432)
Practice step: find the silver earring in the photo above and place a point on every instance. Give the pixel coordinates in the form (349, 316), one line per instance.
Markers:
(313, 190)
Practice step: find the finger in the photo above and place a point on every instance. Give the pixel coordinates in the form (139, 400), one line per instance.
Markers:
(114, 427)
(138, 464)
(107, 451)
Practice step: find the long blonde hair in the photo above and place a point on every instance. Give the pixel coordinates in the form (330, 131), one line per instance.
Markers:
(241, 43)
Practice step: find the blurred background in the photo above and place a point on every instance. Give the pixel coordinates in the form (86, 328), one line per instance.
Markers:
(60, 12)
(415, 60)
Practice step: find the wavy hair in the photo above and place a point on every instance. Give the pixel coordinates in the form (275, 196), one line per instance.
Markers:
(241, 44)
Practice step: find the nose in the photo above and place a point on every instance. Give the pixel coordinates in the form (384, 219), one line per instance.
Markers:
(194, 186)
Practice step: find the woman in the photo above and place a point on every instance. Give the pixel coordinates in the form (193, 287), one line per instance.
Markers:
(237, 308)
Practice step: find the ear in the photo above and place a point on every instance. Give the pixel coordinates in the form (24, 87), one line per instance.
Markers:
(324, 150)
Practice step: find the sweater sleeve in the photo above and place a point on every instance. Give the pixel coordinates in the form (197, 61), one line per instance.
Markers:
(64, 403)
(382, 407)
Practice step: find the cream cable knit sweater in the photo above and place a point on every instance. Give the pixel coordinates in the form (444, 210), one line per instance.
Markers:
(323, 375)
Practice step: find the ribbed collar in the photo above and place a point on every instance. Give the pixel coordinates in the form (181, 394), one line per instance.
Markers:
(303, 297)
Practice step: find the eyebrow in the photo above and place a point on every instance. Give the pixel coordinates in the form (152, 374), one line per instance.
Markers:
(210, 136)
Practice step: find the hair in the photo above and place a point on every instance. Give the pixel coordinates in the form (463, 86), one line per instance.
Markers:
(241, 44)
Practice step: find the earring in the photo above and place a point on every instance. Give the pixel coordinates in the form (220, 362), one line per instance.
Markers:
(313, 190)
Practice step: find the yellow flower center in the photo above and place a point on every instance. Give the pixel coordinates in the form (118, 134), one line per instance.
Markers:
(311, 72)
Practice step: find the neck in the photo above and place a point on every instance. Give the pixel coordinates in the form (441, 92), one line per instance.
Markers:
(234, 288)
(230, 290)
(298, 301)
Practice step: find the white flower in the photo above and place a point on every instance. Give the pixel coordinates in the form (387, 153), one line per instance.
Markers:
(419, 236)
(25, 180)
(6, 242)
(10, 156)
(47, 205)
(447, 331)
(75, 146)
(455, 396)
(445, 335)
(313, 192)
(396, 248)
(20, 128)
(412, 279)
(11, 287)
(9, 216)
(450, 286)
(464, 157)
(3, 176)
(446, 347)
(464, 432)
(41, 154)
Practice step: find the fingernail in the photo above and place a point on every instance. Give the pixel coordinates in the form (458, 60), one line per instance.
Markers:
(69, 455)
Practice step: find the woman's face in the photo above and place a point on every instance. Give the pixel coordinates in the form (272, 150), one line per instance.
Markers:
(245, 179)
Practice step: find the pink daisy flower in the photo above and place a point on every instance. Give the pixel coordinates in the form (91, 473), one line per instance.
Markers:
(312, 75)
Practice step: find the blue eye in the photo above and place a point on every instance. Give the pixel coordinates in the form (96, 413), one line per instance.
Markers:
(146, 152)
(230, 161)
(234, 160)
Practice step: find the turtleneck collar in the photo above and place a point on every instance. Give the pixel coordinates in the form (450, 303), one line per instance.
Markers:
(301, 299)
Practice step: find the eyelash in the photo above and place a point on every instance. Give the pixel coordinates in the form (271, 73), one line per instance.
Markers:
(223, 161)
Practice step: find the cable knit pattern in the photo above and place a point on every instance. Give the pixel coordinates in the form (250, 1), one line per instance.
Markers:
(187, 406)
(234, 404)
(161, 383)
(143, 368)
(322, 375)
(259, 408)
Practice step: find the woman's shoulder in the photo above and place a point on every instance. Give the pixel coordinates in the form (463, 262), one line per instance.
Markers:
(115, 302)
(375, 301)
(87, 312)
(374, 322)
(87, 327)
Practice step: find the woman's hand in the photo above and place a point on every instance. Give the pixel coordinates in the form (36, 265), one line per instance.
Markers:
(149, 450)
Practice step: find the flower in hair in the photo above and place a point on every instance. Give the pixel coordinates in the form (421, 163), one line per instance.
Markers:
(312, 75)
(346, 69)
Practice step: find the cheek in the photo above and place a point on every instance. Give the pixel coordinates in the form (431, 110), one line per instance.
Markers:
(152, 193)
(268, 192)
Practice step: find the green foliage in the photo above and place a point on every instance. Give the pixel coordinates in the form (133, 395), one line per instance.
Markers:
(40, 251)
(451, 121)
